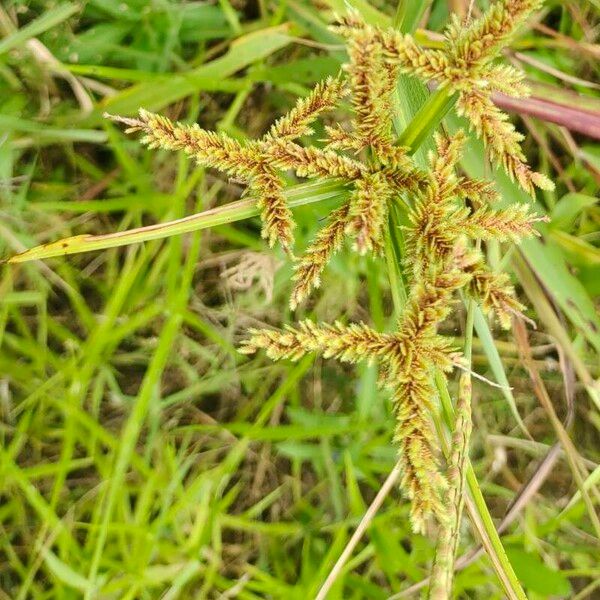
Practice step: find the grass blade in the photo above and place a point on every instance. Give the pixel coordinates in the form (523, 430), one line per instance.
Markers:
(487, 341)
(164, 90)
(298, 195)
(49, 19)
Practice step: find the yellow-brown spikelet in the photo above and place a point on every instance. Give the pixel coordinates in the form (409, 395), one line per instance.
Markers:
(395, 158)
(338, 138)
(432, 234)
(473, 44)
(275, 214)
(421, 479)
(431, 296)
(411, 179)
(307, 271)
(493, 291)
(372, 82)
(368, 213)
(430, 237)
(364, 74)
(209, 148)
(477, 191)
(501, 139)
(402, 49)
(324, 97)
(422, 349)
(449, 151)
(347, 343)
(504, 79)
(313, 162)
(508, 224)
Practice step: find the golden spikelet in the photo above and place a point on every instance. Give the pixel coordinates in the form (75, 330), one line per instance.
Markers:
(368, 213)
(313, 162)
(372, 82)
(472, 44)
(338, 138)
(428, 237)
(403, 50)
(477, 191)
(324, 97)
(463, 64)
(510, 224)
(421, 478)
(431, 296)
(209, 148)
(496, 294)
(501, 139)
(493, 291)
(347, 343)
(504, 79)
(275, 214)
(448, 153)
(410, 179)
(307, 271)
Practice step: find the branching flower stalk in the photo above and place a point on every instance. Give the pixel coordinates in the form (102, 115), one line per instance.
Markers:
(448, 216)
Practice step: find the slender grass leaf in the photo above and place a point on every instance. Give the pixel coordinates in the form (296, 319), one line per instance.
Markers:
(50, 18)
(164, 90)
(235, 211)
(66, 574)
(487, 342)
(568, 208)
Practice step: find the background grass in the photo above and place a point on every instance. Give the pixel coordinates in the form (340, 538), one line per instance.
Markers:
(142, 456)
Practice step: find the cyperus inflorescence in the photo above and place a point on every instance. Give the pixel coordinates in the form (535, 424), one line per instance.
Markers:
(447, 212)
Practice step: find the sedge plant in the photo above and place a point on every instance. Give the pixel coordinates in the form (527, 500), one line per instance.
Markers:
(449, 216)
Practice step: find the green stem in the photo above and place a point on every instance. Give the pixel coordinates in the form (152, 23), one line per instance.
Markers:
(445, 552)
(478, 510)
(427, 118)
(409, 14)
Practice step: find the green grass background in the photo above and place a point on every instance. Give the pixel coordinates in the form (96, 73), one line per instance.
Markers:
(142, 456)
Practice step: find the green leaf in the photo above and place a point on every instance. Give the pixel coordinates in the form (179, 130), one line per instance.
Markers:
(578, 251)
(547, 261)
(536, 576)
(44, 134)
(49, 19)
(568, 208)
(166, 89)
(66, 574)
(487, 341)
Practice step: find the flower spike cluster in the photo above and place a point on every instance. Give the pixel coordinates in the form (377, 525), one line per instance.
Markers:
(258, 162)
(464, 65)
(439, 262)
(447, 212)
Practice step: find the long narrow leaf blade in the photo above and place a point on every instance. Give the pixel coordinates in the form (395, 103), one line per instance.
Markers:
(235, 211)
